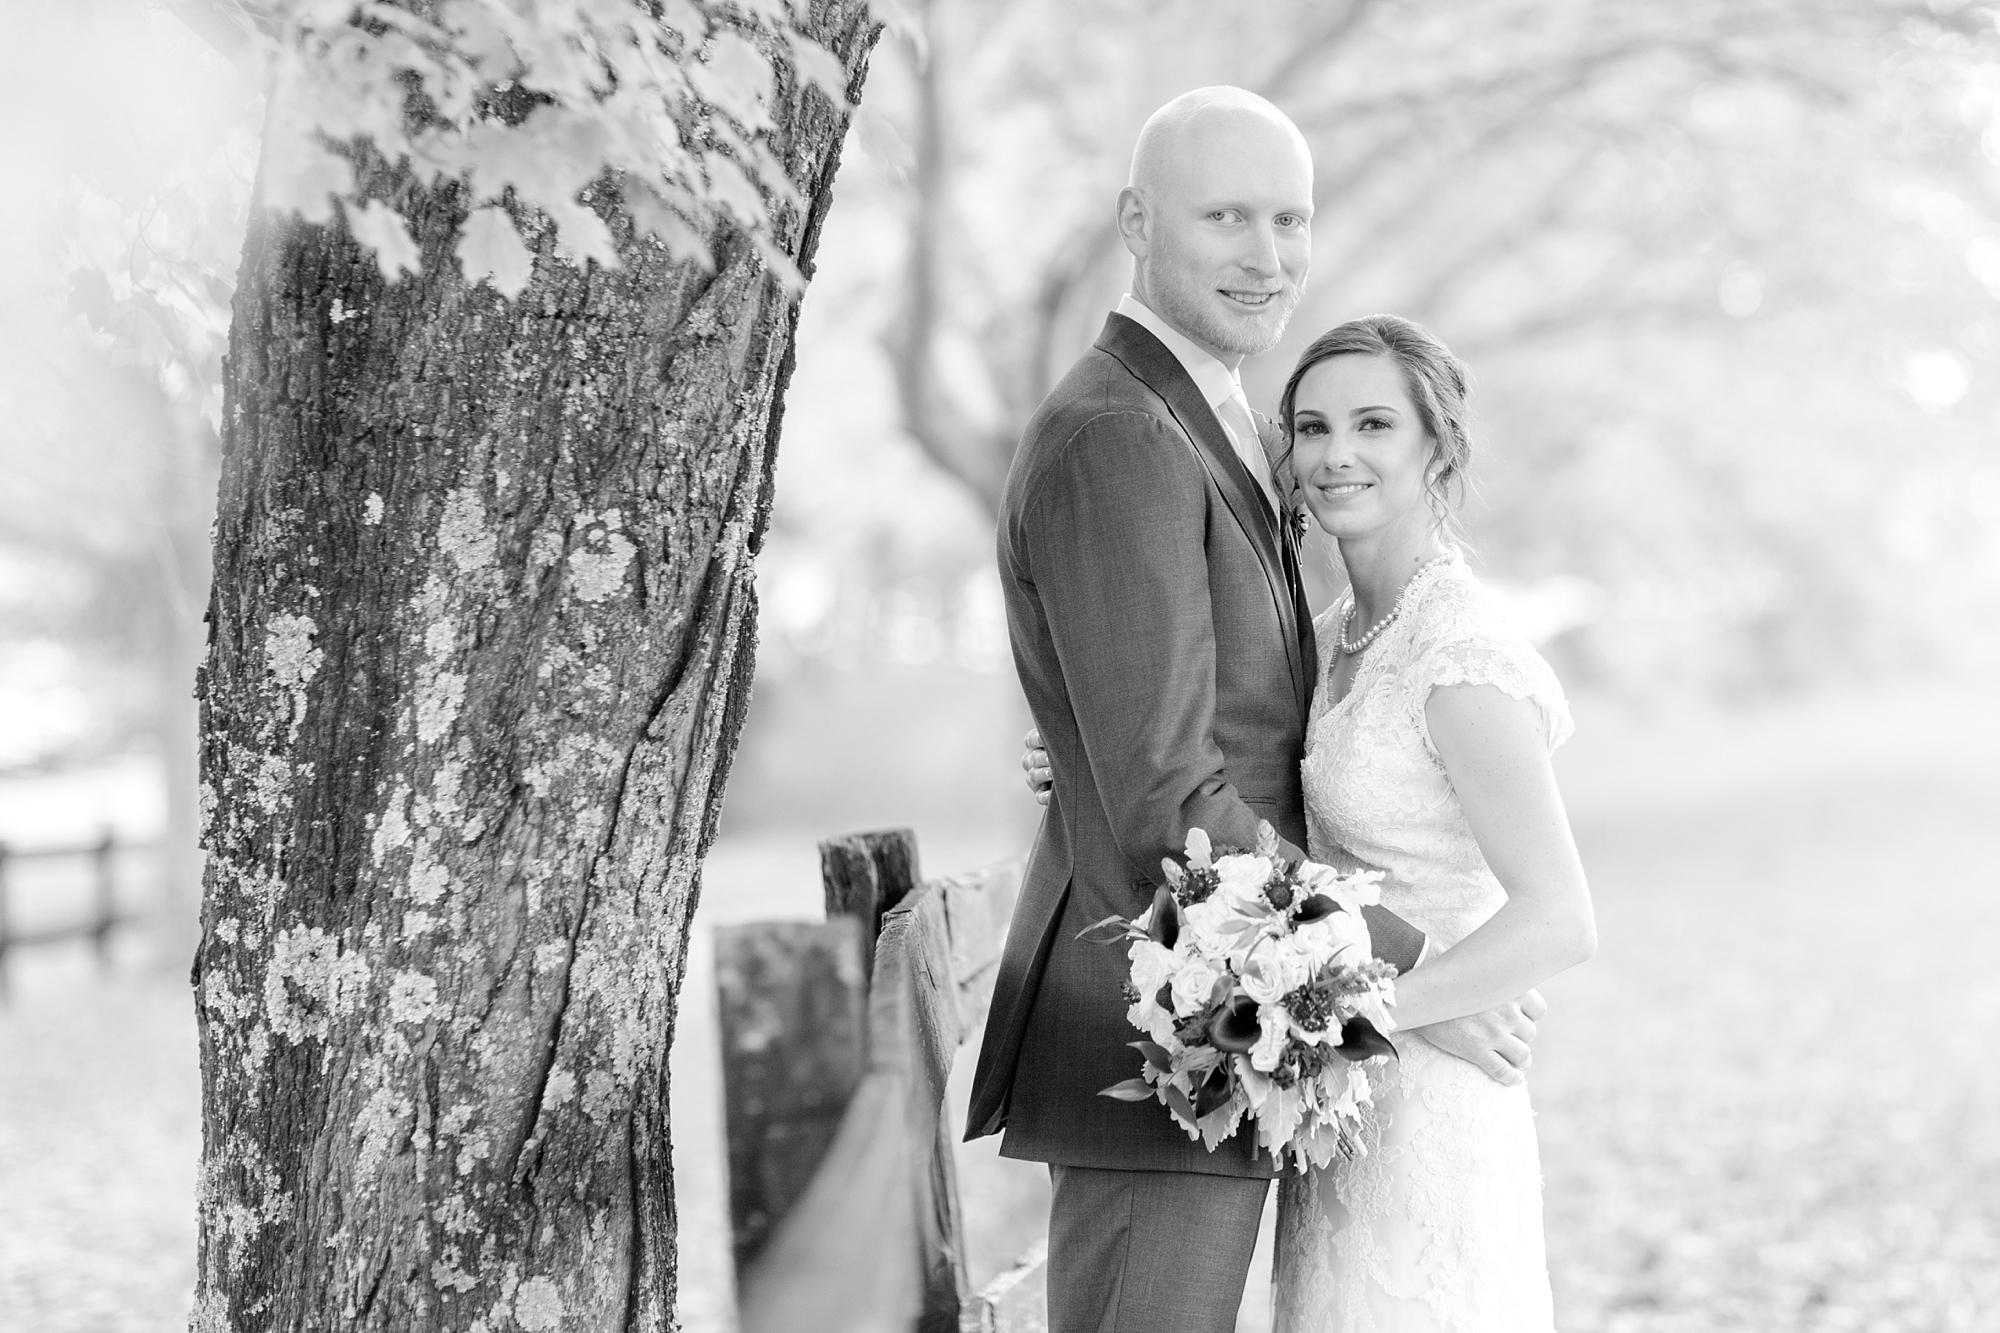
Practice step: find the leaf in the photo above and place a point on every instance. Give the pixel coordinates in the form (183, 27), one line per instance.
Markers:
(489, 249)
(901, 19)
(1104, 925)
(780, 263)
(652, 214)
(685, 18)
(583, 234)
(381, 229)
(1360, 1040)
(1178, 1103)
(734, 78)
(90, 295)
(1156, 1055)
(1131, 1090)
(305, 178)
(819, 68)
(728, 186)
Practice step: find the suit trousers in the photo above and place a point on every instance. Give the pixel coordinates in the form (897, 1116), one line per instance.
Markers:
(1149, 1251)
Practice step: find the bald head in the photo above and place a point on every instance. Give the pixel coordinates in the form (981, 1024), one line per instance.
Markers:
(1187, 131)
(1217, 216)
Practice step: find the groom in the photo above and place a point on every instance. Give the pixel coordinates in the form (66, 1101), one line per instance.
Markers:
(1162, 638)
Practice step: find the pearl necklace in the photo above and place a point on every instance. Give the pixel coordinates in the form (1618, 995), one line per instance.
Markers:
(1350, 649)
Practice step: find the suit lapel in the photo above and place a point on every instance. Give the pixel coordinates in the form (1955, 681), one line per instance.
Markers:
(1146, 357)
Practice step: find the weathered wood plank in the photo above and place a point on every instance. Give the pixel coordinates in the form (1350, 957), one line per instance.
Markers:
(792, 1015)
(978, 906)
(913, 1029)
(866, 874)
(1017, 1301)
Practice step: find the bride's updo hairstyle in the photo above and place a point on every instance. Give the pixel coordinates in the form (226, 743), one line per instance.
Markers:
(1438, 385)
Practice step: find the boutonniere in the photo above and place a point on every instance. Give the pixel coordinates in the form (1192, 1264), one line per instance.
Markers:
(1300, 521)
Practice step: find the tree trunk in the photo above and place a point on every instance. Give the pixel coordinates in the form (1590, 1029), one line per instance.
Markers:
(481, 639)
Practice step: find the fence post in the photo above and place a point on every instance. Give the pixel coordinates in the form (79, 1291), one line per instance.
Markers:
(4, 941)
(865, 875)
(792, 1010)
(107, 898)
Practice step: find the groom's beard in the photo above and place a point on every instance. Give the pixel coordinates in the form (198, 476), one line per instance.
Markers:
(1188, 304)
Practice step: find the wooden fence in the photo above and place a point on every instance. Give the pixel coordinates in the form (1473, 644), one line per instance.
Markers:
(837, 1041)
(104, 916)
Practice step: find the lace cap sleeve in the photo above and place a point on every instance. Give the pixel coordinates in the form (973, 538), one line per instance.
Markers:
(1486, 654)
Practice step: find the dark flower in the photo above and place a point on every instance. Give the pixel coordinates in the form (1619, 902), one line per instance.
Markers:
(1165, 927)
(1315, 907)
(1235, 1028)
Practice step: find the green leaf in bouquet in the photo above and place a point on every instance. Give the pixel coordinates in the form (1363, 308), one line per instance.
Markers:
(1156, 1055)
(1359, 1040)
(1177, 1102)
(1131, 1090)
(1108, 931)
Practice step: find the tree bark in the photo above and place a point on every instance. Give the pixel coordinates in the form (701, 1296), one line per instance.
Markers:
(481, 637)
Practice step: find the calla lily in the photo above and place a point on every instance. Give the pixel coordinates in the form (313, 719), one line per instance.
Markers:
(1315, 907)
(1235, 1028)
(1359, 1040)
(1165, 926)
(1214, 1091)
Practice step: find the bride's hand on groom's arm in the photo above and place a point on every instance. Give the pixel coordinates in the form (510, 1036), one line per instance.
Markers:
(1499, 1041)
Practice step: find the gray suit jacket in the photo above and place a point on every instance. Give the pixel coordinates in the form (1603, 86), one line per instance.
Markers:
(1162, 637)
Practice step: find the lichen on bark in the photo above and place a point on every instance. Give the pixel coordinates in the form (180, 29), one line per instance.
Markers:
(481, 637)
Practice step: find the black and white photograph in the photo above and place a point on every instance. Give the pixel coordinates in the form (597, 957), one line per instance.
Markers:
(999, 666)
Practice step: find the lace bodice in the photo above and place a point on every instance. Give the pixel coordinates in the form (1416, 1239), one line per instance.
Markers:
(1374, 784)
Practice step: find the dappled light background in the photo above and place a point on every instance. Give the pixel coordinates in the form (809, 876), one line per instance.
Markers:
(1728, 276)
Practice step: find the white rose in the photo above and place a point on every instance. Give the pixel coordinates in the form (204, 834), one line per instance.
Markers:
(1192, 985)
(1153, 1020)
(1263, 975)
(1203, 922)
(1243, 877)
(1152, 965)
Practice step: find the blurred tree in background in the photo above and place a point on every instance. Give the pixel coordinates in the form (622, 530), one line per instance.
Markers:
(1726, 273)
(1720, 269)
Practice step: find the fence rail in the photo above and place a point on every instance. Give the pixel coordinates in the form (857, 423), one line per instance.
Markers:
(837, 1041)
(105, 915)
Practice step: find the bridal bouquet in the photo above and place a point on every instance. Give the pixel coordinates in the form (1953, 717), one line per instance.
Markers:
(1253, 981)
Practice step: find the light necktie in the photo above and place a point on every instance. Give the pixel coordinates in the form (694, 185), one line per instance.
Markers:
(1235, 414)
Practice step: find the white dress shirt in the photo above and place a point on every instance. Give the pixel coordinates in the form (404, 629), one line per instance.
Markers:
(1219, 385)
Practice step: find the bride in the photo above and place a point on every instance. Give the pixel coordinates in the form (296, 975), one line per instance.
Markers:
(1427, 755)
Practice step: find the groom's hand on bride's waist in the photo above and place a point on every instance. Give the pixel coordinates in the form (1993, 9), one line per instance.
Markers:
(1499, 1041)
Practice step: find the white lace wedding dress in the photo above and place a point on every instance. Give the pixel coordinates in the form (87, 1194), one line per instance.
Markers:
(1438, 1229)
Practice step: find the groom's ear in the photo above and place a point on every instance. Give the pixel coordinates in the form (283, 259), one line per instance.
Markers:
(1134, 222)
